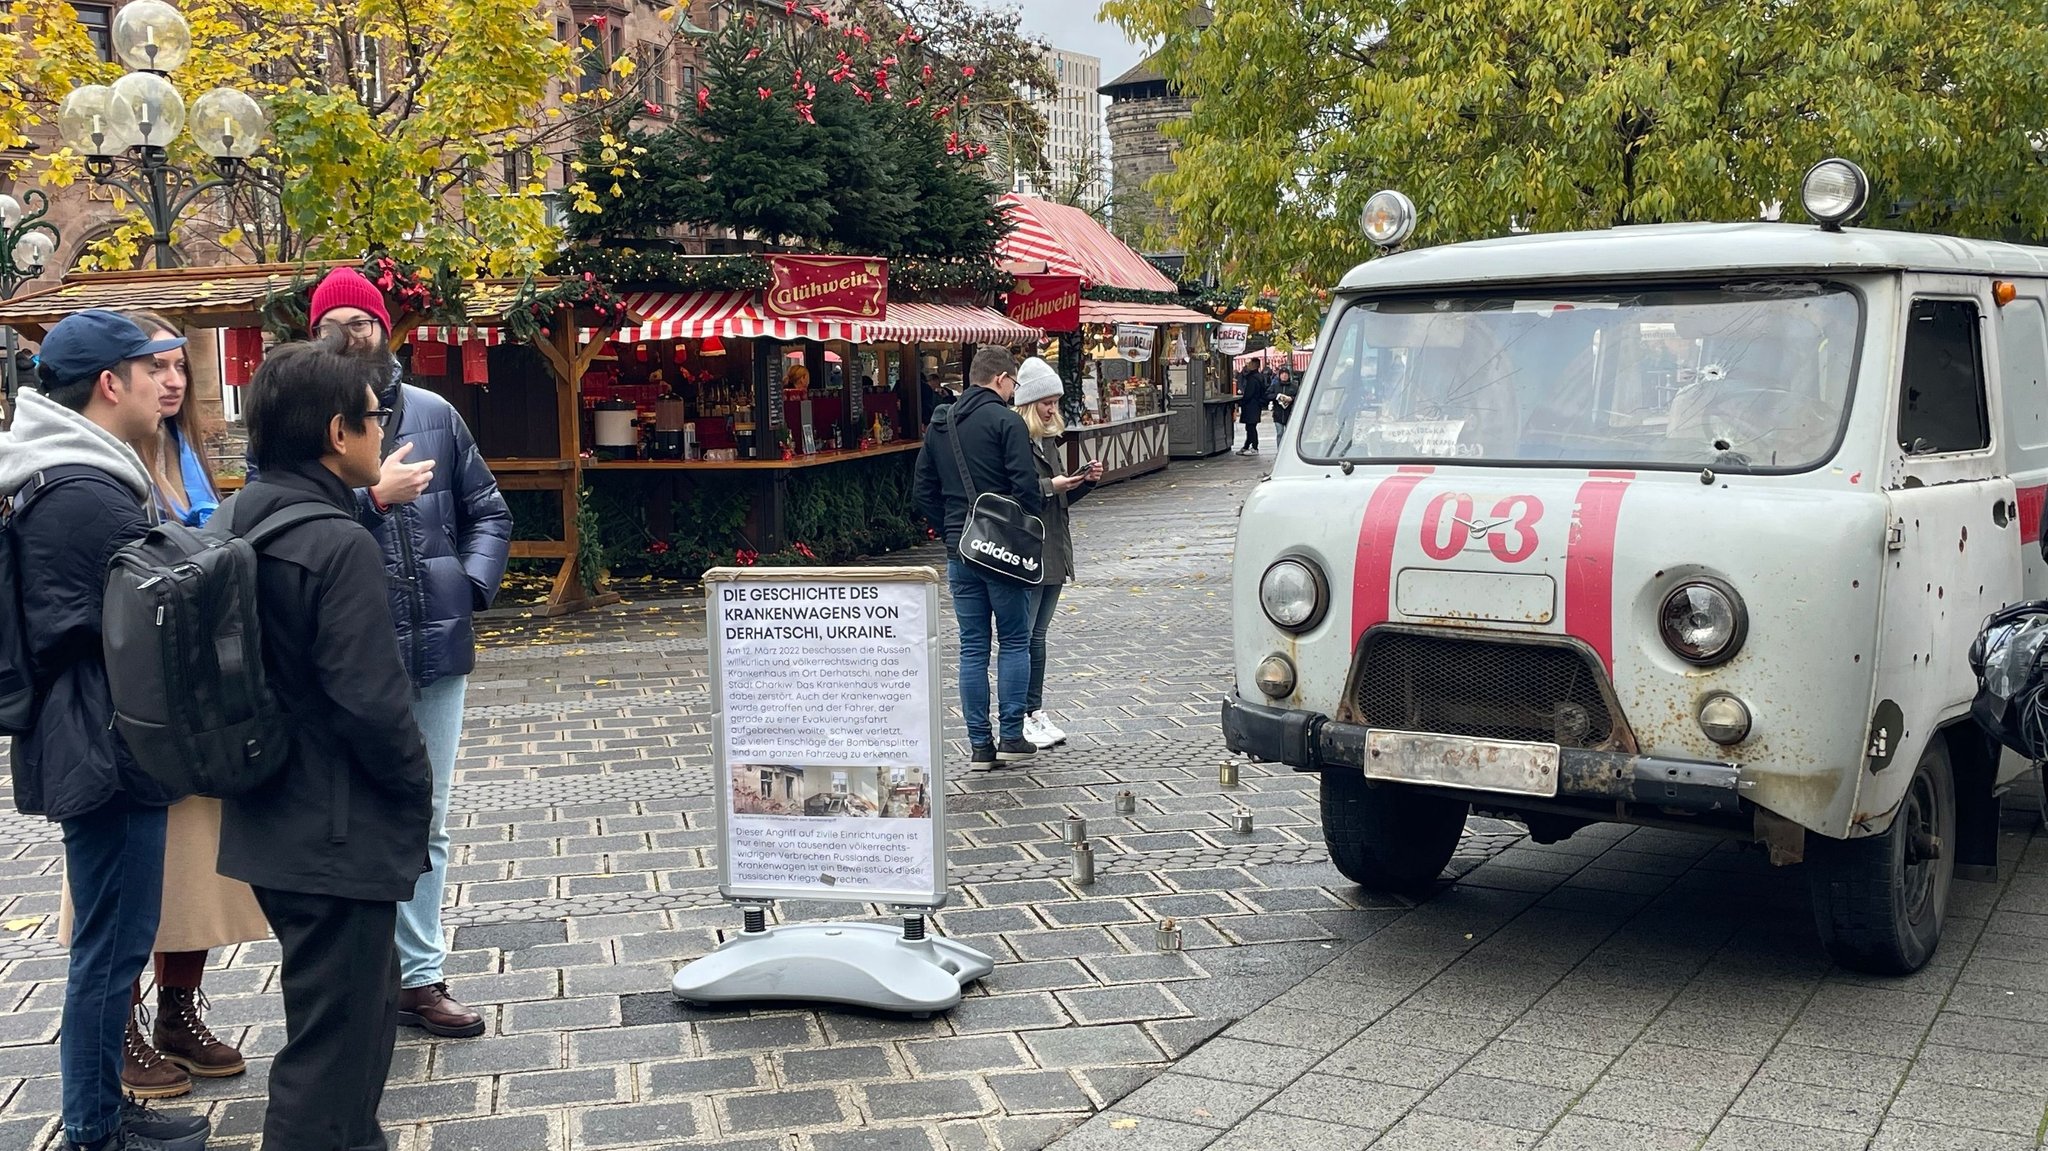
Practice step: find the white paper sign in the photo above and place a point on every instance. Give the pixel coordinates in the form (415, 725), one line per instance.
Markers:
(827, 741)
(1134, 342)
(1230, 338)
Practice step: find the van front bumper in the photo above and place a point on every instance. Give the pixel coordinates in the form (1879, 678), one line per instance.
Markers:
(1311, 741)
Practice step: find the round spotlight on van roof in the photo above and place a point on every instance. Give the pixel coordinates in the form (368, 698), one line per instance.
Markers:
(1388, 219)
(1834, 192)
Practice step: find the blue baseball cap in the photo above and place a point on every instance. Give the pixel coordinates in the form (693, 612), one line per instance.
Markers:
(83, 344)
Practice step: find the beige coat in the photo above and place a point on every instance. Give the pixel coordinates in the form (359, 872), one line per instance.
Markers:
(202, 909)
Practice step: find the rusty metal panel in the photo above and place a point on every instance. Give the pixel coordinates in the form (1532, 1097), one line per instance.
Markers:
(1458, 761)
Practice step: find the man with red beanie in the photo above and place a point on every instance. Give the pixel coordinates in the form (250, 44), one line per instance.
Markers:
(446, 533)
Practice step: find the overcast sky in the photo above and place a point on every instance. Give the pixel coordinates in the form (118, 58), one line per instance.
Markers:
(1071, 24)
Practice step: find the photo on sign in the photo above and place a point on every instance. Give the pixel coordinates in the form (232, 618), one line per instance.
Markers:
(830, 792)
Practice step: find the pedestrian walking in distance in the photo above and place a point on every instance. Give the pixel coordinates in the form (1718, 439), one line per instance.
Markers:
(998, 450)
(79, 492)
(1038, 399)
(446, 534)
(337, 838)
(1251, 405)
(1286, 390)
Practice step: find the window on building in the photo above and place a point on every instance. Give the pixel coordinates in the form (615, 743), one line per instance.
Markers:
(1942, 405)
(653, 73)
(518, 169)
(689, 87)
(597, 45)
(99, 27)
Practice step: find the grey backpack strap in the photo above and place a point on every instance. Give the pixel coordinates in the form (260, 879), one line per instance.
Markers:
(279, 522)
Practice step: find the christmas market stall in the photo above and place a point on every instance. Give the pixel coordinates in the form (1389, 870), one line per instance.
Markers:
(1132, 355)
(764, 408)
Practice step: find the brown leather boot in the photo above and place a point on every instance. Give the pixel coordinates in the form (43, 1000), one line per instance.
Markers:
(145, 1073)
(439, 1013)
(184, 1039)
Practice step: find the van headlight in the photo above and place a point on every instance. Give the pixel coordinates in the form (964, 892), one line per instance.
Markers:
(1294, 594)
(1703, 622)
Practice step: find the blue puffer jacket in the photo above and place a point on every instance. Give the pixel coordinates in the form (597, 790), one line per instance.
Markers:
(446, 551)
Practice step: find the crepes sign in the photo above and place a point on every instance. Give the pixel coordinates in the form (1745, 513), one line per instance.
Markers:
(1048, 303)
(843, 287)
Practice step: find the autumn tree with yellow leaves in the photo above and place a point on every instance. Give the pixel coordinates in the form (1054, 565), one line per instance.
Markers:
(391, 122)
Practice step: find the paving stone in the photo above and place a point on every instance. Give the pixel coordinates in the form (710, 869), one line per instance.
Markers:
(1120, 1004)
(1568, 1070)
(1913, 1135)
(1640, 1101)
(873, 1139)
(923, 1099)
(1110, 1045)
(561, 1015)
(1806, 1105)
(781, 1110)
(1500, 1102)
(1423, 1132)
(448, 1099)
(700, 1076)
(1742, 1133)
(494, 1134)
(1585, 1133)
(629, 1044)
(756, 1033)
(627, 1124)
(562, 1089)
(2013, 1112)
(1157, 967)
(973, 1053)
(1113, 1131)
(1330, 1099)
(1025, 1092)
(490, 1056)
(1263, 1131)
(832, 1064)
(1186, 1099)
(510, 936)
(1007, 1013)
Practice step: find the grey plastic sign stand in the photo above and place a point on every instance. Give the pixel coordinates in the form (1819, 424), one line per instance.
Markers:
(827, 749)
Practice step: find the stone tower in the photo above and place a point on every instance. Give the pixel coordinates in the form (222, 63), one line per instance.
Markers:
(1141, 103)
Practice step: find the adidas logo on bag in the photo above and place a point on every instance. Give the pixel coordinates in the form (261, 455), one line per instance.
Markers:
(1003, 555)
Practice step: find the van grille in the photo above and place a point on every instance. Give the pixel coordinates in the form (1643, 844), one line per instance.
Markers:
(1481, 688)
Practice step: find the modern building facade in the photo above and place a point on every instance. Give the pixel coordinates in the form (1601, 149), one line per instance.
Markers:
(1076, 172)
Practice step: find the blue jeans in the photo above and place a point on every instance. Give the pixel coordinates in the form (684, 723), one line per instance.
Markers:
(114, 861)
(421, 949)
(1044, 604)
(978, 599)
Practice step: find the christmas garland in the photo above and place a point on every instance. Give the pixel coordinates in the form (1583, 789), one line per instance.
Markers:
(920, 275)
(432, 292)
(1214, 301)
(675, 270)
(530, 317)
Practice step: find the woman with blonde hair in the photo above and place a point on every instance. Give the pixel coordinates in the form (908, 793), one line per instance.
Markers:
(1038, 400)
(201, 909)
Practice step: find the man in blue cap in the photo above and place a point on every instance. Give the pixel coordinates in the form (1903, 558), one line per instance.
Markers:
(80, 492)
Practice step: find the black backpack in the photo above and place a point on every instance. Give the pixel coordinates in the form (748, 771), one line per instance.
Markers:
(2010, 657)
(17, 677)
(184, 653)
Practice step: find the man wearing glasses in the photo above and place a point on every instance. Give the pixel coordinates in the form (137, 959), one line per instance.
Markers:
(336, 840)
(436, 511)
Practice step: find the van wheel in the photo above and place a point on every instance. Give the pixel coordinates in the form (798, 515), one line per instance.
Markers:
(1879, 901)
(1387, 836)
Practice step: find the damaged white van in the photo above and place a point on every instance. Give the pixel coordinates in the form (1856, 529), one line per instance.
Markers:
(1687, 526)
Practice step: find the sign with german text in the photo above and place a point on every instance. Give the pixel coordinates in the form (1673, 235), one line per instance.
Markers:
(1134, 342)
(1048, 303)
(847, 287)
(1230, 338)
(828, 755)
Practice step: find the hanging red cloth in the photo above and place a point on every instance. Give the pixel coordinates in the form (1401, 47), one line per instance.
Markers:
(430, 358)
(243, 353)
(476, 362)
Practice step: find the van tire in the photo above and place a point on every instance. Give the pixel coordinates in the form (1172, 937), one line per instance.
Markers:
(1879, 908)
(1389, 836)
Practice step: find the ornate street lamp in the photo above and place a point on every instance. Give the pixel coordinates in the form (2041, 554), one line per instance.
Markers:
(125, 129)
(27, 242)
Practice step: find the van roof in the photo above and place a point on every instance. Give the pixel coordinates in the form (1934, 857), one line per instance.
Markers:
(1686, 251)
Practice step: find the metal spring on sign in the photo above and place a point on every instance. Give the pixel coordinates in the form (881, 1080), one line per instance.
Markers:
(913, 927)
(753, 919)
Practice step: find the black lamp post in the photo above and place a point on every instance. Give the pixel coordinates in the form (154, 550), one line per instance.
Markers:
(125, 129)
(27, 242)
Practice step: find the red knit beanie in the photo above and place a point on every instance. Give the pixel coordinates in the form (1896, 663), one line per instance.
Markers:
(347, 288)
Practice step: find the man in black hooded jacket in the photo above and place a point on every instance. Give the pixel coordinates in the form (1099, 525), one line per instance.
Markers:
(998, 450)
(338, 838)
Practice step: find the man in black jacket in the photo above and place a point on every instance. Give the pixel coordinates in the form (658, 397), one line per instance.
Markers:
(436, 511)
(1251, 405)
(81, 493)
(998, 460)
(335, 842)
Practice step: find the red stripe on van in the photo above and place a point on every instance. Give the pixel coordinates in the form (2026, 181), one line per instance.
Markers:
(2031, 502)
(1589, 566)
(1372, 572)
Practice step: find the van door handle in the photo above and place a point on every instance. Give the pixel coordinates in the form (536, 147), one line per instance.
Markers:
(2003, 511)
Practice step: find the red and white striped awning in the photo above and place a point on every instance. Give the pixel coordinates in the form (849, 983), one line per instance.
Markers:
(681, 315)
(1071, 243)
(1109, 312)
(695, 315)
(947, 324)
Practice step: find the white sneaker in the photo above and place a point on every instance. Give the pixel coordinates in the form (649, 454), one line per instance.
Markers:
(1049, 734)
(1034, 730)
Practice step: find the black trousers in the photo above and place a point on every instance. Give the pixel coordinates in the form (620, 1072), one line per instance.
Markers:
(1251, 433)
(340, 980)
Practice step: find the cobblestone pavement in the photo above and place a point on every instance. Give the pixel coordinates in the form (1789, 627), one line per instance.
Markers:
(1624, 989)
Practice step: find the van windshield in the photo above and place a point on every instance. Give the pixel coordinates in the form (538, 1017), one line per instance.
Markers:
(1738, 377)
